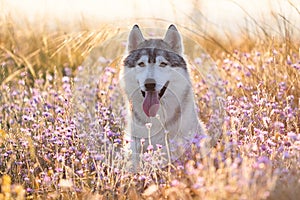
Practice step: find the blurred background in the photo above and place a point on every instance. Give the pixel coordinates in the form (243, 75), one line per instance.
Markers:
(222, 16)
(45, 34)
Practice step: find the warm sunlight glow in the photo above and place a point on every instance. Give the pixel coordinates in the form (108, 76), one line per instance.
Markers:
(150, 99)
(226, 15)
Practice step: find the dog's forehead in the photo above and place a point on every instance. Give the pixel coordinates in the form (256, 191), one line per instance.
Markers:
(152, 54)
(155, 43)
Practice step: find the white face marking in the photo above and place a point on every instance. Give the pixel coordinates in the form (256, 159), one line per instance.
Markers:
(162, 62)
(157, 71)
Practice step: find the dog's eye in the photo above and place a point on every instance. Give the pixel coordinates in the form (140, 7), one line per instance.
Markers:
(141, 64)
(163, 64)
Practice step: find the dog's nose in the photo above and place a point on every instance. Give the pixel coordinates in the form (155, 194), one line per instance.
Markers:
(150, 84)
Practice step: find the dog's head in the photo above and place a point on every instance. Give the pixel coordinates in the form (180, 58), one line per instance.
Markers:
(153, 64)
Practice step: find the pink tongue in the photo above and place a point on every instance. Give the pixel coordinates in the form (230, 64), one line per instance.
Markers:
(151, 103)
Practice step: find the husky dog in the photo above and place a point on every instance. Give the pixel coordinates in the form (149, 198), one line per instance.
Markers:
(160, 101)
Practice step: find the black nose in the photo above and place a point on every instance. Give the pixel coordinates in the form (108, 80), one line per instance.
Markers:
(150, 84)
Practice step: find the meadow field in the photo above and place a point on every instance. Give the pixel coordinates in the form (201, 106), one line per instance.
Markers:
(62, 115)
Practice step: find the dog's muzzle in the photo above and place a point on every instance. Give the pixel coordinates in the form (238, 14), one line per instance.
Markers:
(151, 102)
(150, 86)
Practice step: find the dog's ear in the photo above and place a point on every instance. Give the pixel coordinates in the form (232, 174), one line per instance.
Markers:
(173, 38)
(135, 38)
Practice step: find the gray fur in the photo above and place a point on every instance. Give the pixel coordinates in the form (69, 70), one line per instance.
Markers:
(174, 59)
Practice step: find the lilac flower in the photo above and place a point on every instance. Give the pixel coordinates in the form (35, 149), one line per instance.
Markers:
(278, 125)
(150, 148)
(26, 179)
(118, 141)
(68, 71)
(285, 155)
(264, 159)
(25, 118)
(240, 85)
(99, 157)
(59, 169)
(175, 183)
(292, 135)
(80, 172)
(142, 177)
(66, 79)
(21, 82)
(49, 77)
(198, 61)
(288, 60)
(296, 66)
(29, 190)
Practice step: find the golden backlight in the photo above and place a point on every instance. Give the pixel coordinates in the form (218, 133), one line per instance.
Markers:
(223, 15)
